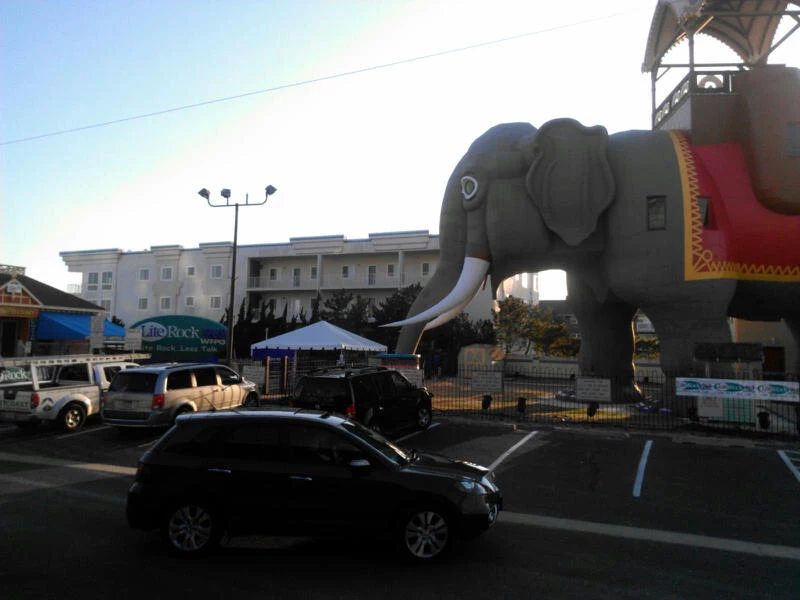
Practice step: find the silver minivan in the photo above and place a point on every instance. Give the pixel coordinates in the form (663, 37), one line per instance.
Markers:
(153, 396)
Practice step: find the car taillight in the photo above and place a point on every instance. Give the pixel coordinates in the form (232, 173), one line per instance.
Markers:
(351, 410)
(291, 403)
(158, 401)
(34, 400)
(139, 471)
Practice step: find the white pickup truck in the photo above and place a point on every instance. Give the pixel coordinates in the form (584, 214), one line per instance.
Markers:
(61, 389)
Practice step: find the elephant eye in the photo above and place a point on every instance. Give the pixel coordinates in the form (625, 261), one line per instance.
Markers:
(469, 187)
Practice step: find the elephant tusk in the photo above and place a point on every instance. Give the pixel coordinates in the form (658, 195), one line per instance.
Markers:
(445, 317)
(472, 275)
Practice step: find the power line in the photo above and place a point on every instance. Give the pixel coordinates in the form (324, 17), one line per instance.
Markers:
(306, 82)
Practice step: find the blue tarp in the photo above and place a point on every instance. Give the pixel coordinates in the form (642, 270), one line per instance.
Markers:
(112, 330)
(64, 326)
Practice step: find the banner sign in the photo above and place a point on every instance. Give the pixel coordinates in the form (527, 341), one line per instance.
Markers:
(785, 391)
(182, 337)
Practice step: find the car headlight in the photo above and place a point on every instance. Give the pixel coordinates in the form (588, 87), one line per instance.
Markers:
(471, 487)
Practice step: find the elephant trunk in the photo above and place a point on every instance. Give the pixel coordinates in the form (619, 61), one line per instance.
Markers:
(439, 298)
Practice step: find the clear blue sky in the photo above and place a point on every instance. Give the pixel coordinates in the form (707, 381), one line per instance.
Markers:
(361, 153)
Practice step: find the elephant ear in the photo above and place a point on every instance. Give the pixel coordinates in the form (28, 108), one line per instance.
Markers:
(569, 179)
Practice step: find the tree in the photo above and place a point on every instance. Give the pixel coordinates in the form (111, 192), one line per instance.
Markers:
(522, 327)
(392, 309)
(515, 325)
(334, 309)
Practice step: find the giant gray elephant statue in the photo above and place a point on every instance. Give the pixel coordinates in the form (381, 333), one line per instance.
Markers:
(638, 220)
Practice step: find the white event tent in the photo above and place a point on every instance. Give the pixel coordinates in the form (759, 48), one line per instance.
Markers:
(317, 336)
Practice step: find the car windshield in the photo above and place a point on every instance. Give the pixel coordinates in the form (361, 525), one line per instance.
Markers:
(393, 453)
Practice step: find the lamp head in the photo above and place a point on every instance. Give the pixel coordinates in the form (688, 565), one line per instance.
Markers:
(226, 193)
(204, 193)
(270, 190)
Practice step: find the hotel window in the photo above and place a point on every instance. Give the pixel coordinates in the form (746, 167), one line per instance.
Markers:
(372, 272)
(656, 213)
(390, 270)
(190, 271)
(144, 274)
(142, 304)
(106, 304)
(189, 301)
(426, 269)
(166, 273)
(295, 277)
(345, 271)
(273, 274)
(108, 278)
(216, 271)
(91, 281)
(165, 303)
(313, 272)
(215, 302)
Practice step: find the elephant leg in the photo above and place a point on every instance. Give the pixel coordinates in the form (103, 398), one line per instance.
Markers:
(793, 323)
(607, 342)
(679, 328)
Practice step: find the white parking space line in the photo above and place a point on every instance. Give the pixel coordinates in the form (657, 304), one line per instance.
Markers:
(58, 462)
(410, 435)
(653, 535)
(83, 431)
(790, 463)
(508, 452)
(637, 486)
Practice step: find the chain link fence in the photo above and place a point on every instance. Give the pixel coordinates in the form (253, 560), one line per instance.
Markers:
(552, 396)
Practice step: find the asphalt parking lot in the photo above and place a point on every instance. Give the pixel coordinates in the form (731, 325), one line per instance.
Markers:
(706, 513)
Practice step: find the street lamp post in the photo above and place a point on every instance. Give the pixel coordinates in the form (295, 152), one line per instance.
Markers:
(226, 193)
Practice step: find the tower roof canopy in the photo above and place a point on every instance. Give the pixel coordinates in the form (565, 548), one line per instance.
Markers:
(748, 27)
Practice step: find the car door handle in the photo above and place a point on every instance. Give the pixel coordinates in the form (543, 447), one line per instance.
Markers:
(225, 470)
(300, 478)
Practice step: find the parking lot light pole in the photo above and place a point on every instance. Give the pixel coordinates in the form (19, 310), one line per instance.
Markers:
(226, 193)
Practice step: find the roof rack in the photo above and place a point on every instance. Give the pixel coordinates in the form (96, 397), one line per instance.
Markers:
(68, 359)
(347, 371)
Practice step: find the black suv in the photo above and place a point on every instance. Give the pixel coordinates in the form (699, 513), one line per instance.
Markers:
(303, 473)
(380, 398)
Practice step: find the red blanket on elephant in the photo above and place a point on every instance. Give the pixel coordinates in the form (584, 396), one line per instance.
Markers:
(728, 233)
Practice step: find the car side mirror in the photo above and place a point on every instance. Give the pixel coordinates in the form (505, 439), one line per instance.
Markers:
(359, 463)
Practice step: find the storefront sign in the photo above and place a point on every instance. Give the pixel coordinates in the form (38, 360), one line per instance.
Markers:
(22, 312)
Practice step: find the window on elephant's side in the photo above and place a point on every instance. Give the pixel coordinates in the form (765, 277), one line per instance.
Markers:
(656, 213)
(702, 204)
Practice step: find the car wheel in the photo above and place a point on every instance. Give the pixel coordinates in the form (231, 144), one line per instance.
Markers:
(425, 534)
(192, 529)
(251, 400)
(72, 417)
(424, 417)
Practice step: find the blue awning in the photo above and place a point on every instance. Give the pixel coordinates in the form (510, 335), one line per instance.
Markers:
(112, 329)
(63, 326)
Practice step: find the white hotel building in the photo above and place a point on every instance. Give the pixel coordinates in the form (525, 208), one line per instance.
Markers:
(135, 285)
